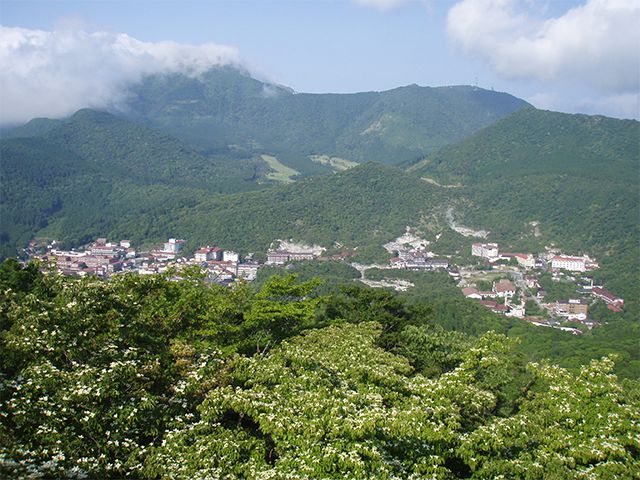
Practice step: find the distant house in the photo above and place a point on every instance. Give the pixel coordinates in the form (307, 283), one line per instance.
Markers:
(525, 260)
(301, 256)
(248, 271)
(174, 246)
(488, 294)
(277, 257)
(229, 256)
(572, 309)
(280, 257)
(471, 292)
(435, 263)
(516, 311)
(573, 264)
(485, 250)
(206, 254)
(608, 297)
(504, 288)
(494, 306)
(107, 250)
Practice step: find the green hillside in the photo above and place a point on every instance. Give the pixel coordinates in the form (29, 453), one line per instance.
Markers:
(363, 207)
(224, 106)
(94, 170)
(576, 175)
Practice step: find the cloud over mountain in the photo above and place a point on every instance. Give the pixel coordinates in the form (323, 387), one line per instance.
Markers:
(55, 73)
(595, 44)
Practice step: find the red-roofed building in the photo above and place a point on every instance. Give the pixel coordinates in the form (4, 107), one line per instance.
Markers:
(504, 288)
(471, 292)
(608, 297)
(494, 306)
(525, 260)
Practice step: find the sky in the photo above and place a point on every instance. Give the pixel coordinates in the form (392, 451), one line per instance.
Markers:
(574, 56)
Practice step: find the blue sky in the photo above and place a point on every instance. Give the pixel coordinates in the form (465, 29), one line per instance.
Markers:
(573, 56)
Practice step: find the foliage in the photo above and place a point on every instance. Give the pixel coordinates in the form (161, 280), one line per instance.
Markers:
(148, 377)
(225, 106)
(94, 171)
(577, 176)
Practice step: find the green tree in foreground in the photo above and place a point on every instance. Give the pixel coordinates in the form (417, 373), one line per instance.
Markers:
(148, 377)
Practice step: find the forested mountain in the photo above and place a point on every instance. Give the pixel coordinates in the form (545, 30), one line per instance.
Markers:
(94, 168)
(169, 376)
(361, 208)
(576, 176)
(225, 106)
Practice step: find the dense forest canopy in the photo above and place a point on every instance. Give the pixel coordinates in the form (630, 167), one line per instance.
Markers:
(149, 377)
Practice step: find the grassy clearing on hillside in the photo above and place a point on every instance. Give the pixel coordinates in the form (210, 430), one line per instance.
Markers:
(282, 173)
(337, 163)
(434, 182)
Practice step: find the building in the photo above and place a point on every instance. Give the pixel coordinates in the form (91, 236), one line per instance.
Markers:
(572, 309)
(206, 254)
(174, 246)
(229, 256)
(436, 263)
(301, 256)
(495, 306)
(517, 311)
(485, 250)
(280, 257)
(608, 297)
(504, 288)
(277, 257)
(248, 271)
(573, 264)
(525, 260)
(471, 292)
(107, 250)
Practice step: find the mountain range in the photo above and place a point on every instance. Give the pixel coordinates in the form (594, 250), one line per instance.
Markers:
(204, 158)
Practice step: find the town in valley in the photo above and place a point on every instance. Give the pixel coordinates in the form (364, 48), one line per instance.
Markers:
(506, 283)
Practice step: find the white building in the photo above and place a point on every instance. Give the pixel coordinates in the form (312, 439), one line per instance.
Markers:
(485, 250)
(573, 264)
(504, 289)
(229, 256)
(525, 260)
(248, 271)
(173, 246)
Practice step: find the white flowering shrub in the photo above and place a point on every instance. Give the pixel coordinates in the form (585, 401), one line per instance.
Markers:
(149, 378)
(329, 404)
(95, 373)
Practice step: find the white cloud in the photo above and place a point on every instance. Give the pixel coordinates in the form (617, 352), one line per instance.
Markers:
(55, 73)
(595, 44)
(382, 5)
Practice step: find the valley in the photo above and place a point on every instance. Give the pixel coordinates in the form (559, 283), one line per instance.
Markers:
(302, 275)
(344, 240)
